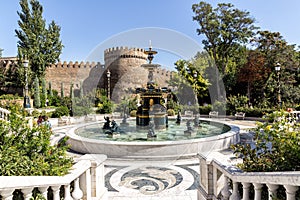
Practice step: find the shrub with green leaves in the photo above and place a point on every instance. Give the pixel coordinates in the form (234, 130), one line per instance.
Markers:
(275, 148)
(60, 111)
(132, 113)
(171, 112)
(27, 151)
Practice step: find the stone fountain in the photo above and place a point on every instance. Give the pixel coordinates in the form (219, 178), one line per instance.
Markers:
(151, 134)
(153, 99)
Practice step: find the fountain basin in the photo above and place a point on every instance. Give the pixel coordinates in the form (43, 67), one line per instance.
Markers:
(152, 148)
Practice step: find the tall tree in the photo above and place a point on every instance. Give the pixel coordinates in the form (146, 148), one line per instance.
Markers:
(225, 29)
(254, 72)
(276, 50)
(194, 76)
(44, 92)
(39, 44)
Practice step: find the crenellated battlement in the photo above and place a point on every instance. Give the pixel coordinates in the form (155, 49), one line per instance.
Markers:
(76, 64)
(122, 48)
(164, 72)
(115, 53)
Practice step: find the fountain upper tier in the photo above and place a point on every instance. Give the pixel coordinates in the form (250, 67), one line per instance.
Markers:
(154, 99)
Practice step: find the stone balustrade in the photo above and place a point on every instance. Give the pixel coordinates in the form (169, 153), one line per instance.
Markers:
(86, 178)
(4, 114)
(220, 181)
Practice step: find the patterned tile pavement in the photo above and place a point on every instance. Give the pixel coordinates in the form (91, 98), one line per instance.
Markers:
(152, 179)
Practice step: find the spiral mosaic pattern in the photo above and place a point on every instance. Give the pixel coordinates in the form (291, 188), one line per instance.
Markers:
(152, 180)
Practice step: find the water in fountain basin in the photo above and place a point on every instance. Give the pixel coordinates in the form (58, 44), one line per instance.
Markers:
(174, 132)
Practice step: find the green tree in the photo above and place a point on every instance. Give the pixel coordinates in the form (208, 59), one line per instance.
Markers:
(37, 99)
(275, 50)
(194, 76)
(39, 44)
(225, 29)
(44, 91)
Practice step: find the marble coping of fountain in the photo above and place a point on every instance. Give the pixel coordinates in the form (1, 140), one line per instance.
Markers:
(152, 149)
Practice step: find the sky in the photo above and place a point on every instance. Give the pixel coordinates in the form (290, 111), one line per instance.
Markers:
(88, 27)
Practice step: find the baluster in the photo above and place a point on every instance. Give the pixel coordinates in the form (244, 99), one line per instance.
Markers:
(85, 184)
(7, 194)
(77, 193)
(225, 191)
(246, 187)
(272, 190)
(290, 191)
(257, 191)
(67, 192)
(44, 191)
(55, 190)
(27, 193)
(235, 193)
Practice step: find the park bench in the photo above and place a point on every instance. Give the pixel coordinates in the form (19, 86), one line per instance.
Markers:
(64, 120)
(213, 114)
(188, 113)
(239, 115)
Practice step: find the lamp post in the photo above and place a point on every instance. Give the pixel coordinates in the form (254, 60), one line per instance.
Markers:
(26, 97)
(195, 75)
(277, 69)
(108, 83)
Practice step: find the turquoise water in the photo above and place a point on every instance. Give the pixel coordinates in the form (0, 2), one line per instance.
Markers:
(174, 132)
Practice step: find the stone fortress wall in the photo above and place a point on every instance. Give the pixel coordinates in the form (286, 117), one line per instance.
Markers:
(124, 64)
(70, 73)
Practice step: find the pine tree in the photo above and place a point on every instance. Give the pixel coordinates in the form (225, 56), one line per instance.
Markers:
(37, 43)
(71, 91)
(37, 100)
(62, 93)
(50, 90)
(44, 90)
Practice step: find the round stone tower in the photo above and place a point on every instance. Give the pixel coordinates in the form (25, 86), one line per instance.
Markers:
(124, 65)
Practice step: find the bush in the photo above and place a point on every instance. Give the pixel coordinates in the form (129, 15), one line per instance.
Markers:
(60, 111)
(27, 151)
(81, 111)
(276, 146)
(105, 107)
(219, 106)
(171, 112)
(204, 110)
(10, 97)
(255, 112)
(194, 108)
(133, 113)
(234, 102)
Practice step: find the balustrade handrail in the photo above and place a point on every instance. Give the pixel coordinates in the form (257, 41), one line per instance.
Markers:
(280, 177)
(7, 182)
(222, 179)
